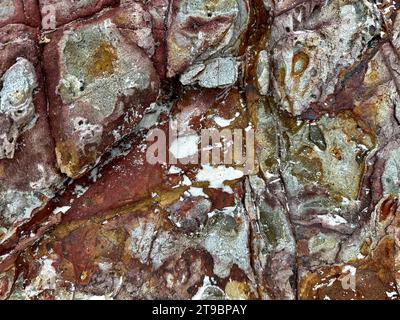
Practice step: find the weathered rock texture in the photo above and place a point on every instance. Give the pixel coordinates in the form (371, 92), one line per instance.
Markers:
(85, 213)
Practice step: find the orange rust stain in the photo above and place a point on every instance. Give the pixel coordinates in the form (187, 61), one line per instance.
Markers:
(388, 208)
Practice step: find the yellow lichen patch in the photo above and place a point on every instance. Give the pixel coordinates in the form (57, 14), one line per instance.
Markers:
(216, 5)
(67, 270)
(300, 63)
(237, 290)
(2, 171)
(357, 130)
(370, 278)
(210, 5)
(103, 61)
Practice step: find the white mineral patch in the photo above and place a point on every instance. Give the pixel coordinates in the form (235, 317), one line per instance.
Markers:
(217, 176)
(79, 88)
(17, 206)
(392, 295)
(79, 190)
(202, 292)
(186, 181)
(141, 238)
(228, 249)
(174, 170)
(88, 133)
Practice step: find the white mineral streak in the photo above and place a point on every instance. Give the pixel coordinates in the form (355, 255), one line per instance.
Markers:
(197, 192)
(332, 220)
(17, 111)
(174, 170)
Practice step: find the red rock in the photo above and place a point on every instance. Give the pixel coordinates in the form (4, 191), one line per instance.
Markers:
(67, 10)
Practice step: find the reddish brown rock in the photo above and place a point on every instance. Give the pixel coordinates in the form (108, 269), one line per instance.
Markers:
(100, 81)
(19, 11)
(160, 227)
(67, 11)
